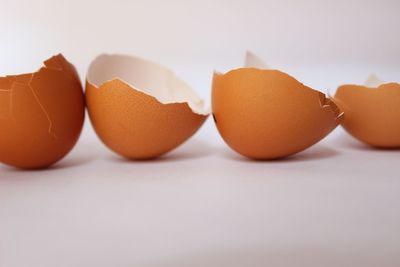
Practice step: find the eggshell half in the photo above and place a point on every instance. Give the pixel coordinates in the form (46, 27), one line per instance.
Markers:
(139, 109)
(41, 114)
(372, 113)
(267, 114)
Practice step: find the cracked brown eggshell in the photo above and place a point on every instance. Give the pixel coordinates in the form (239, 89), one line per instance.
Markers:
(372, 113)
(41, 114)
(267, 114)
(139, 109)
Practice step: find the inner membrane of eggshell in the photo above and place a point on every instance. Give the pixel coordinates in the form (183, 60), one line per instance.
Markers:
(253, 61)
(147, 77)
(373, 81)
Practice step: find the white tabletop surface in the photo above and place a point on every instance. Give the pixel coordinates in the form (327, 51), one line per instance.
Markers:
(336, 204)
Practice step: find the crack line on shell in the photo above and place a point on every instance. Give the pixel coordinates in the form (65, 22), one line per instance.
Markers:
(42, 108)
(343, 104)
(326, 103)
(333, 99)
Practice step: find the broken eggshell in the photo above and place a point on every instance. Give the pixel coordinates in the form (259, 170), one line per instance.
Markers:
(41, 114)
(267, 114)
(139, 109)
(372, 112)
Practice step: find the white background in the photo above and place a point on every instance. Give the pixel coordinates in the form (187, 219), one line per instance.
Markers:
(336, 204)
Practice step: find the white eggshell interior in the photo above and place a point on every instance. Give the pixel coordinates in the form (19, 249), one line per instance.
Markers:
(253, 61)
(373, 81)
(147, 77)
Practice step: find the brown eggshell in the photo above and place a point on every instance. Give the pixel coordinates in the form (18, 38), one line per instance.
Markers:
(41, 115)
(131, 121)
(267, 114)
(372, 114)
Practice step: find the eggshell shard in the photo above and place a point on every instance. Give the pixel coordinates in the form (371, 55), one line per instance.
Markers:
(373, 81)
(267, 114)
(140, 110)
(41, 114)
(372, 113)
(253, 61)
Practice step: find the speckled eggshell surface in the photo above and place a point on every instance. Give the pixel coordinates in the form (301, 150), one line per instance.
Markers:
(41, 114)
(267, 114)
(372, 113)
(138, 109)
